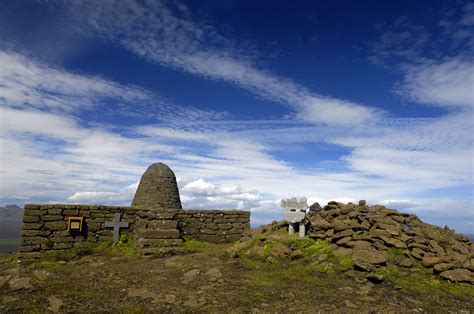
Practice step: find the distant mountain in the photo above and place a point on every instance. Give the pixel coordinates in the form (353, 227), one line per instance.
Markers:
(11, 212)
(11, 217)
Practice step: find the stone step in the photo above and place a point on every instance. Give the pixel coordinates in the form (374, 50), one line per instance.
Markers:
(158, 234)
(145, 243)
(161, 251)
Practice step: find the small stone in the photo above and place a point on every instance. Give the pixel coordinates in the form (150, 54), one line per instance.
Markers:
(458, 275)
(214, 274)
(296, 254)
(190, 275)
(360, 265)
(54, 304)
(349, 304)
(370, 256)
(406, 262)
(344, 240)
(376, 278)
(362, 203)
(22, 283)
(461, 250)
(441, 267)
(170, 298)
(341, 252)
(61, 262)
(4, 280)
(322, 257)
(417, 253)
(438, 249)
(429, 261)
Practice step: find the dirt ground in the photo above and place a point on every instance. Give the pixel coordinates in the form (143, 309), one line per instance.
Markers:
(206, 280)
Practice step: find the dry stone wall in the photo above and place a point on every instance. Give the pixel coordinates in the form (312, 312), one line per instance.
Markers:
(216, 226)
(156, 231)
(45, 226)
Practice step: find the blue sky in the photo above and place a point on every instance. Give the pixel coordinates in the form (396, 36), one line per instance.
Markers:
(249, 102)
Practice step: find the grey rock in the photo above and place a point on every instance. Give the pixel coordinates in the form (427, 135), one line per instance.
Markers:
(315, 207)
(376, 278)
(406, 262)
(21, 283)
(429, 261)
(373, 257)
(54, 304)
(158, 188)
(458, 275)
(296, 254)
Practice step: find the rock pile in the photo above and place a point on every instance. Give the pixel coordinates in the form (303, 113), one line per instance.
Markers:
(366, 233)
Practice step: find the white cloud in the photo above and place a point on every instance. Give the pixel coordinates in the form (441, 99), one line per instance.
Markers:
(90, 196)
(200, 187)
(28, 83)
(446, 84)
(167, 34)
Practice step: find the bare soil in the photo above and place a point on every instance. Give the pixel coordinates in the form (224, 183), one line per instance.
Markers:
(204, 281)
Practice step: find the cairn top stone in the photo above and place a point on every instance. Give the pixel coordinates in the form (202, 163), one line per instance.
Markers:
(158, 188)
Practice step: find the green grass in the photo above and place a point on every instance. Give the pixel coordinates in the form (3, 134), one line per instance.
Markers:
(192, 244)
(9, 242)
(425, 282)
(125, 247)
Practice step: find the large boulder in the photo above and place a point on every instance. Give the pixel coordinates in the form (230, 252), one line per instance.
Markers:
(158, 188)
(458, 275)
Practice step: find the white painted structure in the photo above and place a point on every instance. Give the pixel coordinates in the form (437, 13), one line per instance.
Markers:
(295, 213)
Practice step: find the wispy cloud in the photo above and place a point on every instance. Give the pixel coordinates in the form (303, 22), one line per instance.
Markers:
(445, 84)
(29, 83)
(166, 33)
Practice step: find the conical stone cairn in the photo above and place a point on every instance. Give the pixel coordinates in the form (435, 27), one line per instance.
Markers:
(158, 188)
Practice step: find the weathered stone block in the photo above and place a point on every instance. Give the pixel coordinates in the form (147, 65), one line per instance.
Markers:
(52, 218)
(34, 212)
(94, 226)
(29, 248)
(70, 212)
(55, 211)
(32, 233)
(62, 239)
(32, 240)
(84, 213)
(32, 226)
(159, 242)
(56, 225)
(159, 234)
(208, 231)
(62, 246)
(29, 255)
(31, 218)
(163, 224)
(31, 206)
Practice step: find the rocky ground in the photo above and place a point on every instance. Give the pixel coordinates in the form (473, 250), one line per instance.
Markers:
(224, 278)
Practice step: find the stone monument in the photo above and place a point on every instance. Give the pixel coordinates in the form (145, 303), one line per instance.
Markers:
(158, 188)
(295, 213)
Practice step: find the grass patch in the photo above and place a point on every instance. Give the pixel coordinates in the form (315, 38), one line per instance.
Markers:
(125, 247)
(192, 244)
(318, 247)
(425, 282)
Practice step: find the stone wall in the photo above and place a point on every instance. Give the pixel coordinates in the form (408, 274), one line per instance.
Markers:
(45, 226)
(215, 226)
